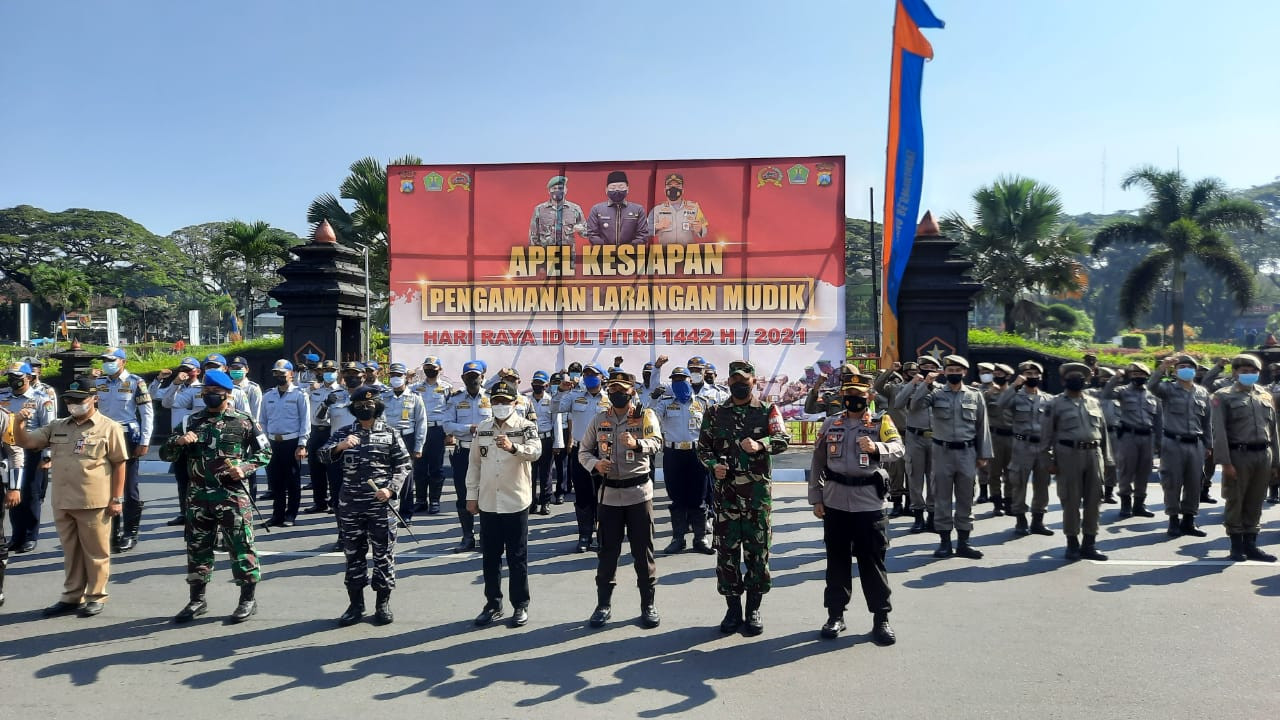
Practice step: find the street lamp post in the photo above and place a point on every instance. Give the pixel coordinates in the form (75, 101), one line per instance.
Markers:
(364, 252)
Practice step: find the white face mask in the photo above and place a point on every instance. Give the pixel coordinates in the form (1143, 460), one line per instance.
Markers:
(986, 377)
(695, 378)
(397, 382)
(79, 410)
(502, 412)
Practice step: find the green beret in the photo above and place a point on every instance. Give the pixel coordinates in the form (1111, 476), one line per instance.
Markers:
(557, 180)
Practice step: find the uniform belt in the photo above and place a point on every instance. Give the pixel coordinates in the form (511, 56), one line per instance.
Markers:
(433, 423)
(464, 444)
(545, 435)
(917, 431)
(630, 482)
(1251, 447)
(679, 446)
(1002, 431)
(1188, 439)
(1079, 444)
(1143, 432)
(953, 445)
(282, 438)
(850, 480)
(1027, 438)
(319, 424)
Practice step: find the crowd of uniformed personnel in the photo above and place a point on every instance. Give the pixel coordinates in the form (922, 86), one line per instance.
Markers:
(921, 436)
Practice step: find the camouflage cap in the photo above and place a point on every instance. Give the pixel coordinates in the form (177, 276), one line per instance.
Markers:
(741, 367)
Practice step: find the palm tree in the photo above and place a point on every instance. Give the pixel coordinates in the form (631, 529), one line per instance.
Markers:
(1018, 243)
(1181, 222)
(256, 247)
(61, 287)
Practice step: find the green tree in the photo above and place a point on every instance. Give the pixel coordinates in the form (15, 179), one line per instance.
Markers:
(248, 254)
(1018, 242)
(63, 287)
(1182, 221)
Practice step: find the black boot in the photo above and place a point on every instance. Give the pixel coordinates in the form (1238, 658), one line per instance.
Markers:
(964, 549)
(1205, 497)
(1237, 548)
(833, 627)
(679, 526)
(753, 624)
(1008, 505)
(944, 546)
(733, 616)
(604, 610)
(1109, 496)
(649, 616)
(1126, 506)
(1037, 525)
(1088, 551)
(1252, 552)
(982, 496)
(1175, 528)
(928, 521)
(248, 606)
(1188, 527)
(2, 583)
(355, 610)
(1140, 507)
(1073, 548)
(881, 632)
(129, 530)
(700, 541)
(918, 526)
(117, 524)
(382, 608)
(1020, 525)
(898, 510)
(196, 607)
(1273, 496)
(997, 506)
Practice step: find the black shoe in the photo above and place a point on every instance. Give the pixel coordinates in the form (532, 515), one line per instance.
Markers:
(1126, 506)
(557, 499)
(997, 506)
(338, 547)
(702, 545)
(316, 509)
(543, 509)
(1037, 525)
(127, 543)
(881, 632)
(355, 610)
(489, 614)
(594, 545)
(1252, 552)
(753, 624)
(928, 522)
(582, 545)
(944, 546)
(468, 544)
(196, 607)
(26, 547)
(1020, 525)
(91, 608)
(1008, 505)
(1109, 497)
(833, 627)
(733, 616)
(1188, 527)
(382, 608)
(1274, 496)
(918, 526)
(1175, 527)
(898, 510)
(1206, 498)
(600, 616)
(649, 616)
(1073, 548)
(267, 496)
(677, 546)
(248, 606)
(402, 524)
(60, 608)
(982, 496)
(964, 549)
(433, 508)
(520, 617)
(1140, 507)
(1088, 551)
(1237, 549)
(180, 520)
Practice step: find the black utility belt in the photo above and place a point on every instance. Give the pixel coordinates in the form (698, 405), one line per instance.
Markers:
(1249, 447)
(954, 445)
(852, 481)
(917, 431)
(1027, 438)
(1187, 439)
(1142, 432)
(1002, 431)
(630, 482)
(1080, 444)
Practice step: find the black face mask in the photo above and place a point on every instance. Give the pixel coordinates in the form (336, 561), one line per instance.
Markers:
(538, 388)
(1075, 384)
(1000, 379)
(740, 391)
(17, 384)
(352, 381)
(855, 404)
(674, 193)
(213, 401)
(1032, 382)
(431, 374)
(955, 379)
(1138, 382)
(619, 399)
(281, 380)
(364, 411)
(473, 384)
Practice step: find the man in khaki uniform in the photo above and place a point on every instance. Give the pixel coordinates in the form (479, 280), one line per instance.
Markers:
(1246, 442)
(994, 476)
(1187, 441)
(1032, 456)
(1138, 416)
(1077, 431)
(888, 384)
(87, 476)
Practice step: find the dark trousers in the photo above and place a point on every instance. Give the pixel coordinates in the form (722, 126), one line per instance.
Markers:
(459, 460)
(860, 535)
(637, 522)
(428, 471)
(284, 480)
(406, 490)
(183, 480)
(559, 480)
(586, 486)
(25, 517)
(542, 473)
(507, 532)
(318, 471)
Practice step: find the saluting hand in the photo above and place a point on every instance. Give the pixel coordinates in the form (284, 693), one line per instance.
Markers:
(629, 440)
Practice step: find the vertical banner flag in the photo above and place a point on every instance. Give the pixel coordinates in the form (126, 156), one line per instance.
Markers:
(62, 326)
(113, 327)
(193, 326)
(24, 323)
(904, 166)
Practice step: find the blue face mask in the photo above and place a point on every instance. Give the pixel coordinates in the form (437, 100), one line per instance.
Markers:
(1186, 374)
(110, 367)
(591, 382)
(330, 377)
(682, 390)
(1248, 379)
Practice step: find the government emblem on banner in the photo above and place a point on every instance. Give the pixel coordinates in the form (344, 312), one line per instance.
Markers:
(406, 182)
(798, 175)
(459, 180)
(433, 182)
(769, 176)
(824, 174)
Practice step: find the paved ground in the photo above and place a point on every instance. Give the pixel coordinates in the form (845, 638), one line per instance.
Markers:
(1165, 629)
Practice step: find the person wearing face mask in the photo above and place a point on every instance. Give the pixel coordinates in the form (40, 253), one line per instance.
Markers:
(618, 445)
(1028, 406)
(887, 384)
(428, 473)
(406, 413)
(847, 488)
(309, 372)
(219, 445)
(579, 407)
(1137, 425)
(19, 395)
(546, 419)
(993, 476)
(1245, 441)
(712, 390)
(961, 444)
(326, 382)
(1110, 412)
(286, 421)
(686, 479)
(555, 221)
(499, 490)
(11, 462)
(337, 408)
(736, 443)
(374, 464)
(677, 221)
(617, 221)
(919, 448)
(123, 397)
(87, 477)
(560, 465)
(372, 376)
(182, 397)
(239, 400)
(1076, 429)
(238, 371)
(1187, 440)
(464, 411)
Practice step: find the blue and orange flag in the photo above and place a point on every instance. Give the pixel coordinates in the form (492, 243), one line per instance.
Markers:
(904, 167)
(62, 326)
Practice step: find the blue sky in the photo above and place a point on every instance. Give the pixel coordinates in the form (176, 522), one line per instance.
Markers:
(180, 113)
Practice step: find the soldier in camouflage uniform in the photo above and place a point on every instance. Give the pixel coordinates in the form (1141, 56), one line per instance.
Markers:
(737, 439)
(220, 446)
(368, 450)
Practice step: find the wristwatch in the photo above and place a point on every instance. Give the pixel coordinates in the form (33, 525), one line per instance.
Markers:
(117, 500)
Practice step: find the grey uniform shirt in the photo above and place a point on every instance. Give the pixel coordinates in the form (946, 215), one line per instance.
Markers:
(1028, 410)
(126, 400)
(1139, 409)
(1186, 410)
(1243, 415)
(602, 439)
(836, 449)
(1078, 419)
(958, 415)
(918, 416)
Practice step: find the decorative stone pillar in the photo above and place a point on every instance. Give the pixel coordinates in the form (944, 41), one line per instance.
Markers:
(935, 297)
(322, 299)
